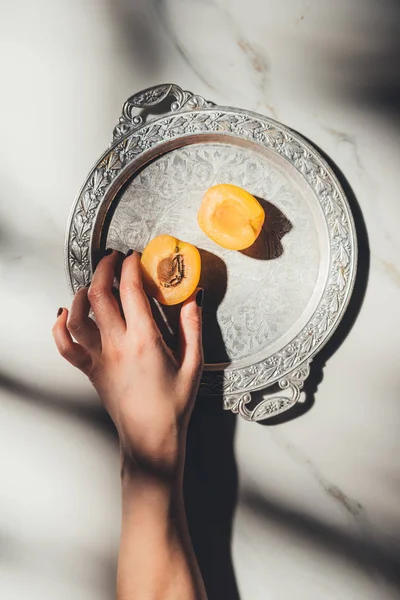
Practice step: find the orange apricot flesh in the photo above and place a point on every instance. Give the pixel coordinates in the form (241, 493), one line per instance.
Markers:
(230, 216)
(170, 269)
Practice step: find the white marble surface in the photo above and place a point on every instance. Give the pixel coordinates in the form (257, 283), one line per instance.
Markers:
(319, 512)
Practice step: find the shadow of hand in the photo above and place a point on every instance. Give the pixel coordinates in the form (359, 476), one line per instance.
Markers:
(210, 487)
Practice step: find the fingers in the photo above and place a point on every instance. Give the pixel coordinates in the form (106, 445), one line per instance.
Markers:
(70, 350)
(103, 303)
(190, 334)
(80, 325)
(134, 301)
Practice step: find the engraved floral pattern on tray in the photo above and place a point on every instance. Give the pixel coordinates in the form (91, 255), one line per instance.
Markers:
(299, 154)
(263, 298)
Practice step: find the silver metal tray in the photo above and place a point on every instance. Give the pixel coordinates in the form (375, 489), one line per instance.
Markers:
(269, 309)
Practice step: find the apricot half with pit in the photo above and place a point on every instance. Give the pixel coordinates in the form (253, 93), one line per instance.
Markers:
(230, 216)
(170, 269)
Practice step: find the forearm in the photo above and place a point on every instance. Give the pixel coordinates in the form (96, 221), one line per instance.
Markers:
(156, 559)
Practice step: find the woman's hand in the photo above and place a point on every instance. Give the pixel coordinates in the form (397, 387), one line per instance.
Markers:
(148, 391)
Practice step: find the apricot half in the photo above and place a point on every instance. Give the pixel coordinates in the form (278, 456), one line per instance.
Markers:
(230, 216)
(170, 269)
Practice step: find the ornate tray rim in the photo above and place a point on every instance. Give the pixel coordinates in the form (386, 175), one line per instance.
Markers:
(135, 138)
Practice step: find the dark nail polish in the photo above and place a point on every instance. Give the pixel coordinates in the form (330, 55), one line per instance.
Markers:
(108, 252)
(59, 312)
(200, 298)
(129, 253)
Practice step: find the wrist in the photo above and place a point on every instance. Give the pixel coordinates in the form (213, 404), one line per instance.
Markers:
(152, 497)
(162, 464)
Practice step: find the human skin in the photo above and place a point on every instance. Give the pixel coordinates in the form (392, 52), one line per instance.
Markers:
(149, 392)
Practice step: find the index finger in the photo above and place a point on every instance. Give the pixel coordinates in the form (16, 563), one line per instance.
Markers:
(104, 305)
(134, 301)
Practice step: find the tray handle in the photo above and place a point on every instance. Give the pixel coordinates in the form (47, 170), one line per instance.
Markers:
(270, 406)
(151, 97)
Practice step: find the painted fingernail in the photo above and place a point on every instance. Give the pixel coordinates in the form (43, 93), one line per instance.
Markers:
(200, 298)
(59, 312)
(108, 252)
(129, 253)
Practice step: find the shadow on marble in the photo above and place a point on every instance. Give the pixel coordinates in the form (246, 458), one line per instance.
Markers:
(30, 561)
(370, 76)
(366, 551)
(353, 309)
(17, 552)
(84, 408)
(211, 485)
(137, 34)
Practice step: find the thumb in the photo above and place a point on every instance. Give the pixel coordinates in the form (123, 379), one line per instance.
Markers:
(190, 334)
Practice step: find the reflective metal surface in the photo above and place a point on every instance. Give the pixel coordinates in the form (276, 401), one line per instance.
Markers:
(268, 309)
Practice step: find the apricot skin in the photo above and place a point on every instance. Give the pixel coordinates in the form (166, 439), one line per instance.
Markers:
(170, 269)
(231, 217)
